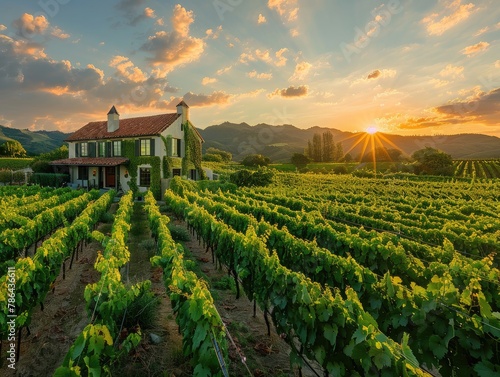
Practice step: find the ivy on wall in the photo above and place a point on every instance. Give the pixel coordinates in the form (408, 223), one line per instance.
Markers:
(128, 148)
(192, 157)
(167, 159)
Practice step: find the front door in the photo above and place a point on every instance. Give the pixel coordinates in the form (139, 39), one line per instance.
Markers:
(110, 176)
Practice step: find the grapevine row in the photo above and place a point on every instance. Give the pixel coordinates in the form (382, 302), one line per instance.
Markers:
(196, 315)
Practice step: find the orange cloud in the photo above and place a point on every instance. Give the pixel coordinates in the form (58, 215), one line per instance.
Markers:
(291, 92)
(28, 25)
(301, 71)
(452, 71)
(224, 70)
(126, 69)
(452, 15)
(171, 49)
(254, 75)
(149, 13)
(475, 49)
(279, 59)
(261, 19)
(208, 80)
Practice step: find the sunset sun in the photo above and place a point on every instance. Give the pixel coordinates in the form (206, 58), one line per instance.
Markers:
(371, 130)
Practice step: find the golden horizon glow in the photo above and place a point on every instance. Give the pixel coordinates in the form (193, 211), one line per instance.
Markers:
(372, 130)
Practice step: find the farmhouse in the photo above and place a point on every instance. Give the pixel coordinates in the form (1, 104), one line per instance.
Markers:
(134, 153)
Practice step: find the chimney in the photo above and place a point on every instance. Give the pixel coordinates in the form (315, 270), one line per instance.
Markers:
(183, 109)
(113, 120)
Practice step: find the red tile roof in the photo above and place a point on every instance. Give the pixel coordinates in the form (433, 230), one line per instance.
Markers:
(131, 127)
(91, 161)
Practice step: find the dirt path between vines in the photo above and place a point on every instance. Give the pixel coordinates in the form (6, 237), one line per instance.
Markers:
(54, 330)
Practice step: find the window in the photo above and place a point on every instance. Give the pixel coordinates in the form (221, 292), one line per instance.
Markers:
(145, 147)
(117, 148)
(84, 149)
(83, 173)
(145, 177)
(102, 149)
(176, 147)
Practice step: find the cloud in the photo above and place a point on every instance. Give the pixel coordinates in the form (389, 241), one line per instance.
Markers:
(482, 31)
(261, 19)
(301, 71)
(291, 92)
(126, 69)
(208, 80)
(454, 13)
(28, 25)
(478, 107)
(451, 71)
(210, 33)
(134, 11)
(475, 49)
(287, 9)
(149, 13)
(497, 64)
(279, 59)
(224, 70)
(438, 83)
(58, 33)
(375, 74)
(264, 76)
(175, 48)
(219, 98)
(2, 27)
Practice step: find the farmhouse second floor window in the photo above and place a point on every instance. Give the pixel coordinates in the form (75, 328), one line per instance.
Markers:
(145, 177)
(84, 149)
(117, 148)
(102, 149)
(145, 147)
(176, 148)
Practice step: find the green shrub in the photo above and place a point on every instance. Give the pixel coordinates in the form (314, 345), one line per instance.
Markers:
(178, 233)
(247, 178)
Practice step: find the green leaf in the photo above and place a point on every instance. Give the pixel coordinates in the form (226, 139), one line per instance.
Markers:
(320, 354)
(78, 347)
(199, 335)
(330, 333)
(407, 352)
(437, 347)
(381, 360)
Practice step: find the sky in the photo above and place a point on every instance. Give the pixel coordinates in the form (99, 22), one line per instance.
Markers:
(426, 67)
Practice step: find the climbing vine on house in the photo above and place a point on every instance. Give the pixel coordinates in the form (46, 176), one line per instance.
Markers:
(128, 147)
(193, 151)
(167, 159)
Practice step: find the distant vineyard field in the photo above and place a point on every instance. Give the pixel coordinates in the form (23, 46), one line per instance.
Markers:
(477, 168)
(14, 163)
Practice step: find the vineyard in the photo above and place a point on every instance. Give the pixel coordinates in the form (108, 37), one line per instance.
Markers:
(477, 168)
(368, 277)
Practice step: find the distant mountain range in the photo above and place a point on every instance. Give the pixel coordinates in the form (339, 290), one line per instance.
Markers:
(34, 142)
(280, 142)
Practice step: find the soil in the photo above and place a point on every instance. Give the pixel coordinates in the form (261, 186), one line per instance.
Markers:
(52, 331)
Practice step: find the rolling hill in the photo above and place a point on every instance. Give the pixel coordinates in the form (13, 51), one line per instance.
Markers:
(280, 142)
(34, 142)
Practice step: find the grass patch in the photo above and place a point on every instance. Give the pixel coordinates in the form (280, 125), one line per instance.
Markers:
(142, 311)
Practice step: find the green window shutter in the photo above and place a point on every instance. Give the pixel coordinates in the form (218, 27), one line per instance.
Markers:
(92, 149)
(108, 149)
(152, 146)
(137, 147)
(77, 149)
(179, 151)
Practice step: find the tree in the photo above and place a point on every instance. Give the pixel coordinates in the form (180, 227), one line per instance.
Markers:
(328, 151)
(56, 154)
(339, 152)
(300, 160)
(247, 178)
(382, 154)
(12, 148)
(433, 162)
(317, 150)
(225, 156)
(256, 160)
